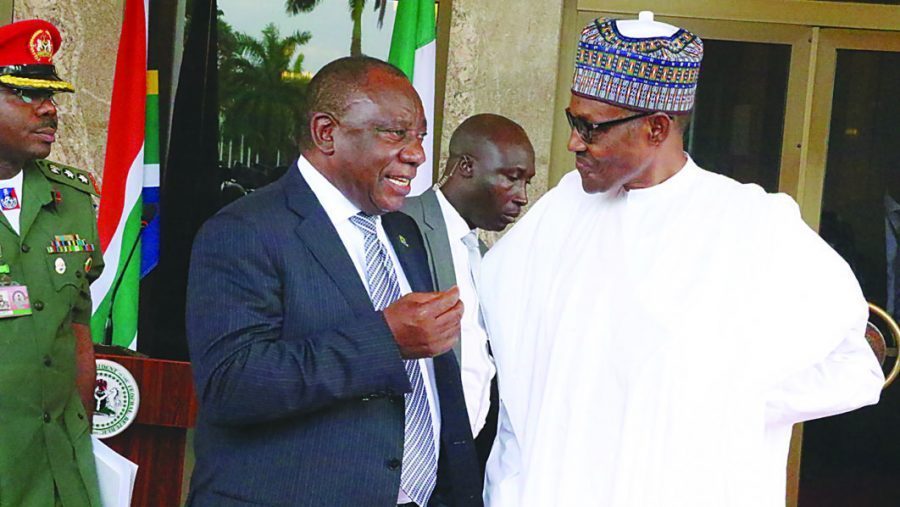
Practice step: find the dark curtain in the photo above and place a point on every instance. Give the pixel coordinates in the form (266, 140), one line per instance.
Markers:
(189, 187)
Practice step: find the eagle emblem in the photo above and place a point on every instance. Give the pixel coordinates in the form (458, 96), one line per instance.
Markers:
(41, 46)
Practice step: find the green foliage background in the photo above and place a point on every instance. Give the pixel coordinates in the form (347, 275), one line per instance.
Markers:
(262, 87)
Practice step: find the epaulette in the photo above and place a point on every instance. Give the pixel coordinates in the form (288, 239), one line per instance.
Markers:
(67, 175)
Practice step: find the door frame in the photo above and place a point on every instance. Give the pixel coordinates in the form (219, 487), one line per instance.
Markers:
(815, 29)
(830, 41)
(799, 84)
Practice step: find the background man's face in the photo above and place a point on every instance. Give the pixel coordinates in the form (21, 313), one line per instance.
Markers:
(26, 130)
(378, 142)
(501, 173)
(614, 157)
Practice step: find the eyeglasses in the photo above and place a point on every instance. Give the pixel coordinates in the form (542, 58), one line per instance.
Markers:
(33, 97)
(586, 129)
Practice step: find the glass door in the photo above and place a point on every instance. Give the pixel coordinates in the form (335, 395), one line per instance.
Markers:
(854, 459)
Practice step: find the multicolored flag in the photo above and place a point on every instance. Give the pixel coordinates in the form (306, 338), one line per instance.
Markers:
(150, 195)
(115, 293)
(413, 51)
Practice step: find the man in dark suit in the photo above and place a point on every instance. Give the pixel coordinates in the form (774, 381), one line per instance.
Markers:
(484, 187)
(318, 383)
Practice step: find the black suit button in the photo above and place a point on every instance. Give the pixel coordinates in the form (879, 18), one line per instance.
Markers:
(25, 248)
(393, 464)
(38, 305)
(46, 417)
(48, 361)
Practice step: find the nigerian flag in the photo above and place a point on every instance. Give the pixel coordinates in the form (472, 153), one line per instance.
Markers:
(115, 293)
(413, 50)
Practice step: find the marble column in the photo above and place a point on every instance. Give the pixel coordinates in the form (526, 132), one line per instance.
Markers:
(90, 35)
(503, 58)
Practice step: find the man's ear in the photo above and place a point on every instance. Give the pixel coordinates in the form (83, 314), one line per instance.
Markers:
(465, 166)
(321, 129)
(661, 126)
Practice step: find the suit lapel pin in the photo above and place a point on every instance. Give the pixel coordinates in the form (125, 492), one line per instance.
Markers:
(402, 239)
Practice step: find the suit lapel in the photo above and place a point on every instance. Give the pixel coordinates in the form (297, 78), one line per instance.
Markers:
(407, 242)
(441, 258)
(458, 454)
(320, 237)
(438, 241)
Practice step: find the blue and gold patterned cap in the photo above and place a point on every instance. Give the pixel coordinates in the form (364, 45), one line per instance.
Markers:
(652, 74)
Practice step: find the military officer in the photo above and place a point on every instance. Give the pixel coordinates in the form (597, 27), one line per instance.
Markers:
(49, 254)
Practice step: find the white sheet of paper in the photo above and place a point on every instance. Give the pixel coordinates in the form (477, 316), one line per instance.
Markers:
(116, 475)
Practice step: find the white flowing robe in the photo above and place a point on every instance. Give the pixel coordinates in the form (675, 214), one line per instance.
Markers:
(655, 346)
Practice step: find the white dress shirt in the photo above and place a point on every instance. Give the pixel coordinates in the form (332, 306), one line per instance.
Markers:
(476, 366)
(339, 210)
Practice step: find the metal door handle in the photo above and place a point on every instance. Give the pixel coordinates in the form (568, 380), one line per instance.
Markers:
(891, 351)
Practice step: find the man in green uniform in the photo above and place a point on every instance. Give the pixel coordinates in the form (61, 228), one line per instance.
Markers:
(49, 254)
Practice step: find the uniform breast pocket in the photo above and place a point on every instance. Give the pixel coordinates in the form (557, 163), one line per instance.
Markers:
(67, 270)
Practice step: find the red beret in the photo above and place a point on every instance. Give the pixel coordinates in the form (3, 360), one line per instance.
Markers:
(26, 56)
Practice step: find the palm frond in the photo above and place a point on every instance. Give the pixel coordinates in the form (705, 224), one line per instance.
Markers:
(294, 7)
(380, 6)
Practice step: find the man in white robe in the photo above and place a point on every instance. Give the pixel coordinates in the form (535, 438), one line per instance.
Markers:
(658, 328)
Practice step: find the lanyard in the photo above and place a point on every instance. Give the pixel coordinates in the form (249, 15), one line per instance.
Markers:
(5, 279)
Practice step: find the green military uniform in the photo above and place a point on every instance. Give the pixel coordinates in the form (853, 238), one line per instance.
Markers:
(45, 446)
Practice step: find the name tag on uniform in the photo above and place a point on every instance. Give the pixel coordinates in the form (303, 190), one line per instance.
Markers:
(14, 301)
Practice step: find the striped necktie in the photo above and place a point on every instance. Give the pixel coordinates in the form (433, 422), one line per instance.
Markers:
(419, 473)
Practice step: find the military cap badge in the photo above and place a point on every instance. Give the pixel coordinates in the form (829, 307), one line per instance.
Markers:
(41, 46)
(26, 56)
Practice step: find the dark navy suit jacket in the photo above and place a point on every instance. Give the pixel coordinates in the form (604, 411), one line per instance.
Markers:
(300, 381)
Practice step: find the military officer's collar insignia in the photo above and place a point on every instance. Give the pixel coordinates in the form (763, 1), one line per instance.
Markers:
(402, 239)
(69, 174)
(55, 169)
(83, 179)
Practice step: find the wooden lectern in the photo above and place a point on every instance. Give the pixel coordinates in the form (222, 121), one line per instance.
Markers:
(156, 439)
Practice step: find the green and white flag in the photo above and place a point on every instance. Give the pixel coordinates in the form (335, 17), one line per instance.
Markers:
(115, 292)
(413, 51)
